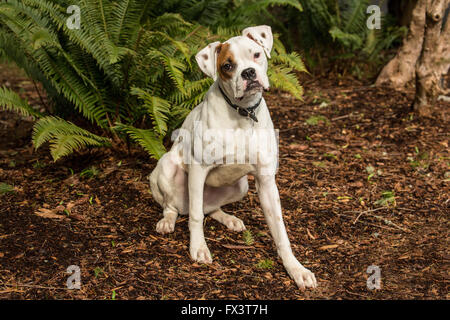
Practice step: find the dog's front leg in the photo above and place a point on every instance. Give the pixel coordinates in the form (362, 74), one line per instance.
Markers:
(270, 202)
(196, 181)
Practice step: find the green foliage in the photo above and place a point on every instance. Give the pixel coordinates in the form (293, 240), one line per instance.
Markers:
(233, 15)
(64, 136)
(226, 18)
(340, 27)
(315, 120)
(248, 238)
(265, 264)
(387, 199)
(98, 271)
(146, 138)
(129, 70)
(9, 100)
(90, 172)
(5, 188)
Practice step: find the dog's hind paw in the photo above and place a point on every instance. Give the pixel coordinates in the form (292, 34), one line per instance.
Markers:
(234, 224)
(165, 226)
(231, 222)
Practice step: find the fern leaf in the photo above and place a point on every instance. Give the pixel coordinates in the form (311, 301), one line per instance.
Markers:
(282, 78)
(62, 145)
(147, 139)
(292, 60)
(263, 4)
(348, 40)
(64, 137)
(354, 16)
(11, 101)
(125, 20)
(170, 23)
(157, 107)
(173, 66)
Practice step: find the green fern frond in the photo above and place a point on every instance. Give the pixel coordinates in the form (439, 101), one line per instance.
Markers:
(96, 17)
(174, 67)
(124, 20)
(263, 4)
(179, 113)
(9, 100)
(292, 60)
(180, 45)
(224, 33)
(147, 139)
(354, 16)
(205, 12)
(63, 145)
(191, 90)
(170, 23)
(281, 78)
(42, 38)
(158, 109)
(348, 40)
(320, 15)
(64, 137)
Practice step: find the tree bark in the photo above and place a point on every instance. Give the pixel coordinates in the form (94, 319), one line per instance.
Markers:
(401, 69)
(444, 46)
(433, 62)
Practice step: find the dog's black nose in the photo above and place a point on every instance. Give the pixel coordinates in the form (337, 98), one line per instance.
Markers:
(249, 74)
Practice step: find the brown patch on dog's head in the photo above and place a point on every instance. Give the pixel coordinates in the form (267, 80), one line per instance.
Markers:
(225, 59)
(263, 35)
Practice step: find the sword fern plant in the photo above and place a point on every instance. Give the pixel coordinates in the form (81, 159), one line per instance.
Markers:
(130, 69)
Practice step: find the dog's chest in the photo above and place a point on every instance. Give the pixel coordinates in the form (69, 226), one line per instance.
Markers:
(228, 174)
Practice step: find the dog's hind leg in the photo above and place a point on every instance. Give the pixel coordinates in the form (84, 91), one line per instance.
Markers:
(231, 222)
(167, 183)
(167, 224)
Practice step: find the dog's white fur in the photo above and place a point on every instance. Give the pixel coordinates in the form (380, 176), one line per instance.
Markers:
(198, 189)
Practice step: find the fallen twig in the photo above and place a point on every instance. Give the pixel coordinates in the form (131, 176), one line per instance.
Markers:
(367, 211)
(342, 117)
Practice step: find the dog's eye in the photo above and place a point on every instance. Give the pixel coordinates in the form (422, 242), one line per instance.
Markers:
(256, 55)
(227, 67)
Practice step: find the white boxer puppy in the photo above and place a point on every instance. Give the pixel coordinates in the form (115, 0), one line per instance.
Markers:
(186, 182)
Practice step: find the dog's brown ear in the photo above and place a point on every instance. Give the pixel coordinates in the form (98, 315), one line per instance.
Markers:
(207, 59)
(262, 35)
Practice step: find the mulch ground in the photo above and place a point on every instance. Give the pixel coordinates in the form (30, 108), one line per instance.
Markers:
(363, 181)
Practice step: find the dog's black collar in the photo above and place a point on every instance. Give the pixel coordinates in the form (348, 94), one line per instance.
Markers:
(245, 112)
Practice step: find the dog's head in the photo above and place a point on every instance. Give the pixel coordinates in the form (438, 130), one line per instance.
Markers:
(240, 63)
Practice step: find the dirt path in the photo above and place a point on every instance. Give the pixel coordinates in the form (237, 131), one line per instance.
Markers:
(362, 182)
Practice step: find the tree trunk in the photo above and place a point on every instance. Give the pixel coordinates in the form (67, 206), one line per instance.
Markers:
(434, 61)
(444, 46)
(401, 69)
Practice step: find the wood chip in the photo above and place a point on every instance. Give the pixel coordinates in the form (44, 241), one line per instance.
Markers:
(330, 246)
(232, 246)
(47, 213)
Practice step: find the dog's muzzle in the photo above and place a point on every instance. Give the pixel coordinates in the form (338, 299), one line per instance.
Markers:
(253, 85)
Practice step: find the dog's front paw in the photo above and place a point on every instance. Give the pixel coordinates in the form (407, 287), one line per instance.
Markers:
(302, 276)
(165, 226)
(201, 253)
